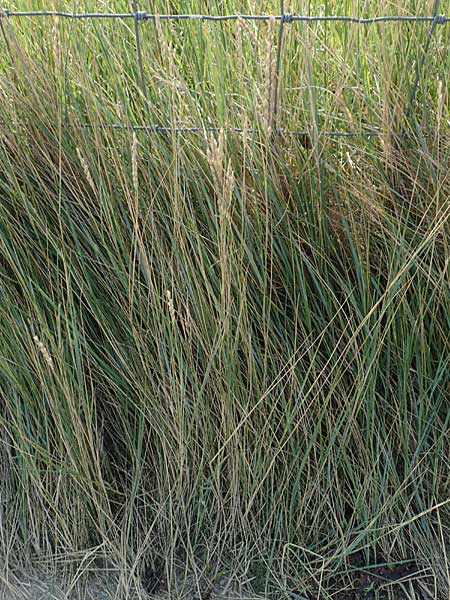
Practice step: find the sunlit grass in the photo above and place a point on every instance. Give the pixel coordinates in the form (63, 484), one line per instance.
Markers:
(225, 351)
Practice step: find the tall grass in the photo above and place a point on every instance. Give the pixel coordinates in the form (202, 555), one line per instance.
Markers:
(224, 352)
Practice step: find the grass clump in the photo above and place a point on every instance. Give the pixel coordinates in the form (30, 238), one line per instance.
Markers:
(225, 351)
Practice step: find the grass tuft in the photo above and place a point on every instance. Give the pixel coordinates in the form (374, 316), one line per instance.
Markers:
(226, 354)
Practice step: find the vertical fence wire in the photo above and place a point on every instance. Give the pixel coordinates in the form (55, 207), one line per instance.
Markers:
(436, 21)
(137, 17)
(5, 38)
(284, 19)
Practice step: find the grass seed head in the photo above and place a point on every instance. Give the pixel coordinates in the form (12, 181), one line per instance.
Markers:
(44, 351)
(215, 156)
(170, 305)
(134, 163)
(86, 170)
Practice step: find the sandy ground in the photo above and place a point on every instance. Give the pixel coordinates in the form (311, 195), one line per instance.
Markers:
(19, 585)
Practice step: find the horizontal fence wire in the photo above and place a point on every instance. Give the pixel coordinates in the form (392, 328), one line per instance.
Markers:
(284, 18)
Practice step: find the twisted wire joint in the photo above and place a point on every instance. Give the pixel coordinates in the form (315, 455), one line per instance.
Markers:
(440, 19)
(287, 18)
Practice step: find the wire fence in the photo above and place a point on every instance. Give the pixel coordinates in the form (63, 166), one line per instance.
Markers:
(284, 18)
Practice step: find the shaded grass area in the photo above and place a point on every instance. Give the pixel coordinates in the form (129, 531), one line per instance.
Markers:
(226, 353)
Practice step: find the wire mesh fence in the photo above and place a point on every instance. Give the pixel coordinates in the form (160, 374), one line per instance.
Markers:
(284, 19)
